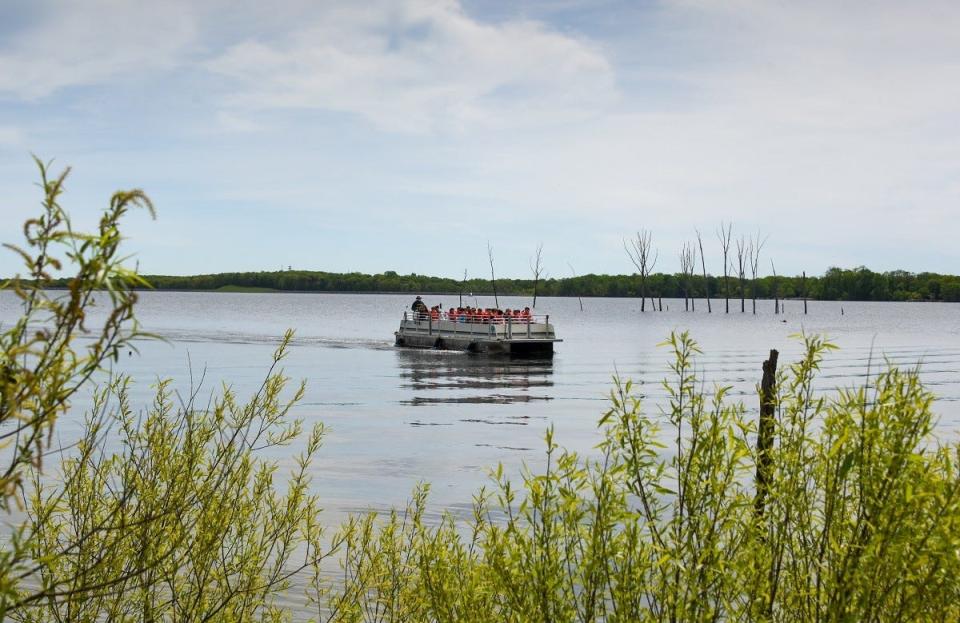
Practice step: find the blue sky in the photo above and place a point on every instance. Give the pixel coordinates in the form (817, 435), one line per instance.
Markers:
(404, 135)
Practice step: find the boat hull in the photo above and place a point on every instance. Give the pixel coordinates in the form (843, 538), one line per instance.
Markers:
(515, 338)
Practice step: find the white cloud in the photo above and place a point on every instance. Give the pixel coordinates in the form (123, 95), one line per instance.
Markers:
(11, 136)
(422, 65)
(93, 42)
(835, 66)
(236, 124)
(830, 125)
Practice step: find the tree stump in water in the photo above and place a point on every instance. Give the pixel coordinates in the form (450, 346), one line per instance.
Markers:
(765, 430)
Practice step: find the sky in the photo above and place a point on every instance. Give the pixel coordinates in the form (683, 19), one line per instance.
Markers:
(406, 135)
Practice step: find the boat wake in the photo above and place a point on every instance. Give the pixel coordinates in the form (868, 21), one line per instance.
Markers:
(228, 337)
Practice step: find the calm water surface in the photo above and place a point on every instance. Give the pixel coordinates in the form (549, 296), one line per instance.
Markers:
(398, 417)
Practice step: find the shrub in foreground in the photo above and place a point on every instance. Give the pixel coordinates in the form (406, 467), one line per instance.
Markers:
(171, 514)
(860, 521)
(174, 514)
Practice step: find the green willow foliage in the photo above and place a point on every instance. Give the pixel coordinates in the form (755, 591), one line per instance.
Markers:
(174, 514)
(183, 523)
(860, 522)
(40, 370)
(169, 514)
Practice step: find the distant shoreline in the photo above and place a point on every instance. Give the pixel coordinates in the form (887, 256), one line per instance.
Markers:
(837, 284)
(714, 299)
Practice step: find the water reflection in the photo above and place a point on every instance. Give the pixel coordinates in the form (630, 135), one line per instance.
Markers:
(445, 377)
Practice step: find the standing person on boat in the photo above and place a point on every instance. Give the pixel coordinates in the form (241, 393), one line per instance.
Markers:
(419, 306)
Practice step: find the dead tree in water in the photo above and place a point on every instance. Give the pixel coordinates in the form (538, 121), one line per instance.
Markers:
(755, 248)
(644, 257)
(803, 286)
(536, 267)
(725, 236)
(688, 262)
(776, 289)
(493, 278)
(744, 252)
(703, 263)
(462, 285)
(575, 276)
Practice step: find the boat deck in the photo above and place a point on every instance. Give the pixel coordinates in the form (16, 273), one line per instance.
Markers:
(533, 336)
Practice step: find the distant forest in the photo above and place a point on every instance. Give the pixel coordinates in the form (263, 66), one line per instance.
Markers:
(858, 284)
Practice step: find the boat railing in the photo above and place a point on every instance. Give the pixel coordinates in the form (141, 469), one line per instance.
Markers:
(466, 319)
(535, 326)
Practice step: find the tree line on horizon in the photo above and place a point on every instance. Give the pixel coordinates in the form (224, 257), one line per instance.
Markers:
(857, 284)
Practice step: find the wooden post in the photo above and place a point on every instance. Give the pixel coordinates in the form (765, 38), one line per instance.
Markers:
(765, 431)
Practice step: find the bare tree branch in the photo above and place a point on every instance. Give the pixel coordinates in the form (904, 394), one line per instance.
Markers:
(756, 246)
(725, 234)
(644, 257)
(706, 281)
(688, 262)
(536, 267)
(744, 251)
(493, 278)
(572, 270)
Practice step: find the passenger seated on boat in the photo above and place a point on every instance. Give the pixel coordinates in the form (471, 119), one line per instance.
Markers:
(452, 315)
(526, 315)
(435, 312)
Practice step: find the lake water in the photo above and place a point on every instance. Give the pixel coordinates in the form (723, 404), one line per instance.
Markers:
(398, 417)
